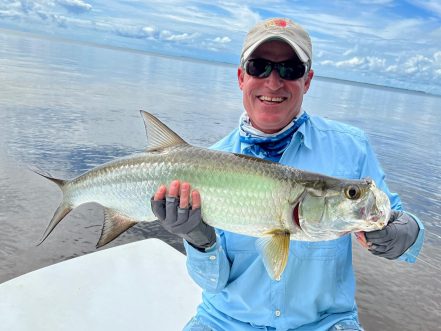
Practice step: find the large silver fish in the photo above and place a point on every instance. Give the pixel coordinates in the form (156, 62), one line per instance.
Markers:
(239, 193)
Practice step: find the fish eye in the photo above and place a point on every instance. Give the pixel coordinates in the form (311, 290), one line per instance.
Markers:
(352, 192)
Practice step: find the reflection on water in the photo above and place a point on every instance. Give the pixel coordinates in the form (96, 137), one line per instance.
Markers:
(66, 108)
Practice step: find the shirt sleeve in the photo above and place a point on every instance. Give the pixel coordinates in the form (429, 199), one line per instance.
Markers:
(411, 254)
(209, 269)
(371, 168)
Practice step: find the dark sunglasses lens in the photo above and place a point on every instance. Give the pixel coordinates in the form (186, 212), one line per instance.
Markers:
(291, 70)
(261, 68)
(258, 68)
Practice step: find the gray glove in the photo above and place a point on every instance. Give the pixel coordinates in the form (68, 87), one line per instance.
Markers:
(187, 223)
(399, 234)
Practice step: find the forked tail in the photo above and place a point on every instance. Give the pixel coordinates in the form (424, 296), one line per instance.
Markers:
(63, 209)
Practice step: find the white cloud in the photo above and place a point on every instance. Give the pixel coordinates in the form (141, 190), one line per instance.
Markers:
(350, 51)
(133, 31)
(402, 29)
(376, 2)
(222, 40)
(433, 6)
(327, 63)
(392, 68)
(75, 6)
(375, 63)
(148, 30)
(169, 36)
(353, 62)
(437, 58)
(417, 63)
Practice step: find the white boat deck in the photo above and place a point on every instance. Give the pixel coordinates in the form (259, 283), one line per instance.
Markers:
(138, 286)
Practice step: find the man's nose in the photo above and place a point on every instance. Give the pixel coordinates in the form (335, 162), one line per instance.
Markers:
(274, 81)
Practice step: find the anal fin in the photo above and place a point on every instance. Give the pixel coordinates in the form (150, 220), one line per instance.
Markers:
(114, 224)
(274, 250)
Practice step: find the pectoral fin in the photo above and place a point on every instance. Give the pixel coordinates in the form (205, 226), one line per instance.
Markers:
(114, 224)
(274, 250)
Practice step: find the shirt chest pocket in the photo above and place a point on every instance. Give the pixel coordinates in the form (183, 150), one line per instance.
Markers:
(345, 173)
(321, 250)
(236, 243)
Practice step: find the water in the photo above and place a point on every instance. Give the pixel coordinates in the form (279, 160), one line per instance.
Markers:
(67, 107)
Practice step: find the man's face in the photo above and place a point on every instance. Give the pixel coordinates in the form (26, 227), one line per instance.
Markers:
(272, 102)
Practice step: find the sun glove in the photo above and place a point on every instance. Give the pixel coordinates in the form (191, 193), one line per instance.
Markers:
(399, 234)
(187, 223)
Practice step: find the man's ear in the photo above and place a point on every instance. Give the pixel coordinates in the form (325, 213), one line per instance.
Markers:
(240, 76)
(308, 80)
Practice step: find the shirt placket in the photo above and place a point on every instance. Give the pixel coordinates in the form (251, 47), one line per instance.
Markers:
(278, 301)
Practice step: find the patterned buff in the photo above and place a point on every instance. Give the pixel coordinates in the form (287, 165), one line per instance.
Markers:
(265, 145)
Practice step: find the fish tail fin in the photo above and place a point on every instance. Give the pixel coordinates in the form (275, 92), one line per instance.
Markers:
(63, 209)
(38, 171)
(59, 214)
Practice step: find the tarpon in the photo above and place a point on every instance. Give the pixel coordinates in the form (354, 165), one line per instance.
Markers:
(241, 194)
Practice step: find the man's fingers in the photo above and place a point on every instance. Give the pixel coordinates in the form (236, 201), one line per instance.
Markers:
(196, 199)
(160, 193)
(174, 189)
(184, 197)
(181, 190)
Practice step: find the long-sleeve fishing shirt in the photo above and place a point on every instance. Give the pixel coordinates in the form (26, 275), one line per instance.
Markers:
(317, 288)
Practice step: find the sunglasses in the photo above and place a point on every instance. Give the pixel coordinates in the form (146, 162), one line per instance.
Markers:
(289, 70)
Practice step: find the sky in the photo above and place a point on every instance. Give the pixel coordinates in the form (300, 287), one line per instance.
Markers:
(395, 43)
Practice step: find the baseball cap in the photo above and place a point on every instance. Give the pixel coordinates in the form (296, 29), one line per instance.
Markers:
(278, 29)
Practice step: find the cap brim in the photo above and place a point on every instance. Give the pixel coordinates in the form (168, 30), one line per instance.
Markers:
(300, 53)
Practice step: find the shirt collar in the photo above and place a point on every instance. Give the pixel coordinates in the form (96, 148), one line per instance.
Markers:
(304, 131)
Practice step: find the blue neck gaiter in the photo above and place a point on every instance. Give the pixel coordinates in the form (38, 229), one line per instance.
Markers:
(264, 145)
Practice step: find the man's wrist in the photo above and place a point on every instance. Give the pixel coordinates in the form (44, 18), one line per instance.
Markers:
(202, 249)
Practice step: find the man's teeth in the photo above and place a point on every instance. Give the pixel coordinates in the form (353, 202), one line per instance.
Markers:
(265, 98)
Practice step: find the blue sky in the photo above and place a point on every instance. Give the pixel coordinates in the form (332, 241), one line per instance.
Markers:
(387, 42)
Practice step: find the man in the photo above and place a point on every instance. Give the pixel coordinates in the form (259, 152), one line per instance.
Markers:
(317, 288)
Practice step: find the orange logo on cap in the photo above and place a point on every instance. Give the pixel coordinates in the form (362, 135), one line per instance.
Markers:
(276, 22)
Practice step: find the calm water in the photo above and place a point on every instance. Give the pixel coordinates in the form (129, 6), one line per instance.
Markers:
(68, 107)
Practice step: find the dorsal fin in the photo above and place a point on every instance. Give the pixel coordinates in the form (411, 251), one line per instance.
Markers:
(159, 135)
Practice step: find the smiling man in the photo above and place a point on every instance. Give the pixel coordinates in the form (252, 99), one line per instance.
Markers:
(317, 289)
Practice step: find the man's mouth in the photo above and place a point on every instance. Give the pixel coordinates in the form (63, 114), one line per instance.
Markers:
(268, 99)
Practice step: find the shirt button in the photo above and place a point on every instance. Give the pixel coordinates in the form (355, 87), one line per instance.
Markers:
(277, 313)
(212, 257)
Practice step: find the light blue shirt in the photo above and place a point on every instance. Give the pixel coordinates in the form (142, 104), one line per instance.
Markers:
(317, 288)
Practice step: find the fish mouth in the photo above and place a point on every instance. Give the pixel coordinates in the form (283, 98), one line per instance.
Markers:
(295, 215)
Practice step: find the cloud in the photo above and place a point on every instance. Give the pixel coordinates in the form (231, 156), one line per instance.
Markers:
(169, 36)
(75, 6)
(392, 68)
(433, 6)
(222, 40)
(420, 64)
(136, 32)
(376, 2)
(351, 63)
(437, 58)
